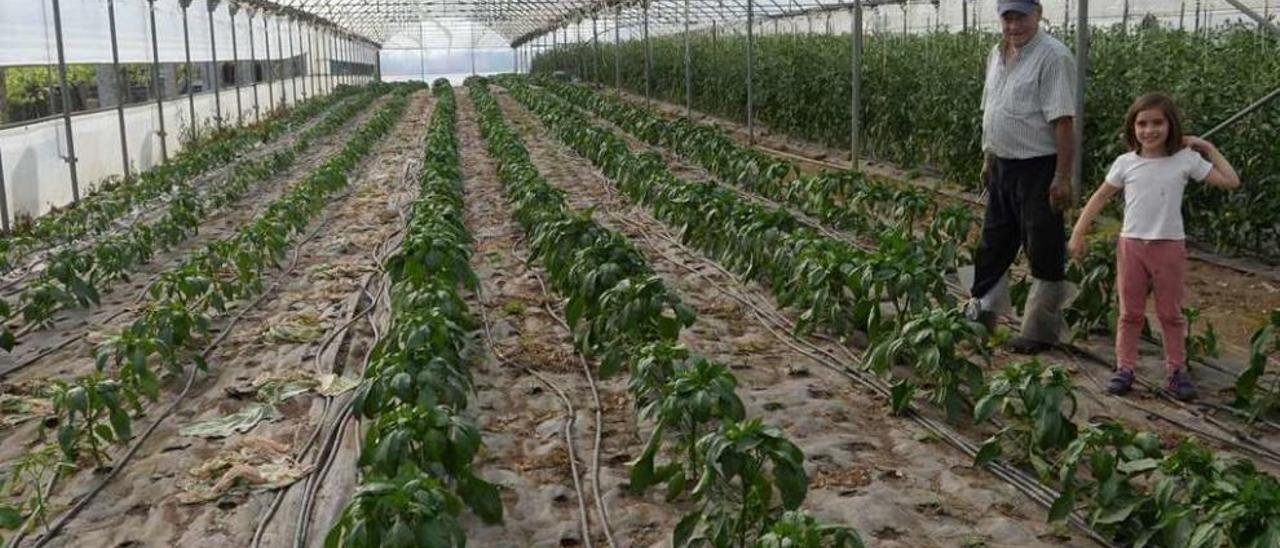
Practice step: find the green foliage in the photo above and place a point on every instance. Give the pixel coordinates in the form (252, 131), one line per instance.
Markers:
(922, 95)
(93, 411)
(745, 474)
(1033, 401)
(418, 451)
(945, 353)
(1130, 490)
(1257, 392)
(78, 272)
(751, 474)
(408, 511)
(796, 529)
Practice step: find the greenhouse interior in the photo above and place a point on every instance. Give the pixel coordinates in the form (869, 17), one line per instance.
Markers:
(777, 273)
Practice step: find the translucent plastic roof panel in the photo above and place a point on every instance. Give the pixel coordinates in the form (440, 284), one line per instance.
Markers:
(482, 24)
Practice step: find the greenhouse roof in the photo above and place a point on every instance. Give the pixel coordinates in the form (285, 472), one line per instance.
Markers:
(489, 23)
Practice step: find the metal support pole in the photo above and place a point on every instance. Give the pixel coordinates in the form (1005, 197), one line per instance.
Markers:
(1124, 18)
(855, 84)
(284, 92)
(648, 60)
(217, 78)
(617, 49)
(1082, 73)
(1263, 21)
(293, 64)
(595, 49)
(155, 83)
(270, 69)
(120, 86)
(751, 23)
(191, 88)
(66, 101)
(577, 50)
(964, 15)
(234, 8)
(688, 67)
(4, 197)
(302, 59)
(313, 61)
(1247, 111)
(253, 72)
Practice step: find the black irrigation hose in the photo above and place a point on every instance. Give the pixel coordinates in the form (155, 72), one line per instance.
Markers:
(599, 416)
(328, 454)
(80, 505)
(1030, 487)
(570, 413)
(1248, 445)
(48, 351)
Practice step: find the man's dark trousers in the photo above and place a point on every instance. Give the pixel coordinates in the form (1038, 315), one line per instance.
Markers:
(1019, 215)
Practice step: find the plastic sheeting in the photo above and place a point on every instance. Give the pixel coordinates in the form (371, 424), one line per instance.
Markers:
(37, 178)
(27, 34)
(35, 173)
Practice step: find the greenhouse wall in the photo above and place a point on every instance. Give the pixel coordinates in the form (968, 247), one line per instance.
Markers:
(305, 61)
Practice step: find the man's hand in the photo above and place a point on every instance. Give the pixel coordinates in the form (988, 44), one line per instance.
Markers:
(1060, 192)
(986, 167)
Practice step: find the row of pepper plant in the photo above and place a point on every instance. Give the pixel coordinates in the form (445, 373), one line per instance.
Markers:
(1132, 488)
(96, 410)
(921, 96)
(112, 199)
(417, 454)
(746, 479)
(893, 214)
(886, 292)
(76, 276)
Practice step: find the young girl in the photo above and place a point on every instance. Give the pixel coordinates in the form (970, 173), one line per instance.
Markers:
(1151, 253)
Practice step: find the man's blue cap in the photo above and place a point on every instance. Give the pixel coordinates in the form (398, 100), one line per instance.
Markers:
(1021, 6)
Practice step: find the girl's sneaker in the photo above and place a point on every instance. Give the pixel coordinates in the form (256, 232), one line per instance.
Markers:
(1120, 382)
(1180, 386)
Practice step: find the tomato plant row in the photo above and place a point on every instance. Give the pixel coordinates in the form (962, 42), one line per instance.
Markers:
(746, 479)
(1135, 490)
(921, 95)
(98, 212)
(76, 275)
(417, 453)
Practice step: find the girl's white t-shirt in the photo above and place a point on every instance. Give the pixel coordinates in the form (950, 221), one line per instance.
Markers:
(1153, 192)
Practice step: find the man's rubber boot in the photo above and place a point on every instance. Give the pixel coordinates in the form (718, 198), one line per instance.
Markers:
(1042, 323)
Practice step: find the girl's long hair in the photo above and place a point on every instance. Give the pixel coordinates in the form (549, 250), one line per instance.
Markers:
(1172, 141)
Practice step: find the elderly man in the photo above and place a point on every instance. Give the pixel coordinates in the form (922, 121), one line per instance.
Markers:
(1027, 107)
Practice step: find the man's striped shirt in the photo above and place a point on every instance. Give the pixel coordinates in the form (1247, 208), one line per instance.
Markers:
(1021, 98)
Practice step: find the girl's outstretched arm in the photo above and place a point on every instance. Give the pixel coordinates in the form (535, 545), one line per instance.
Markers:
(1223, 174)
(1091, 210)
